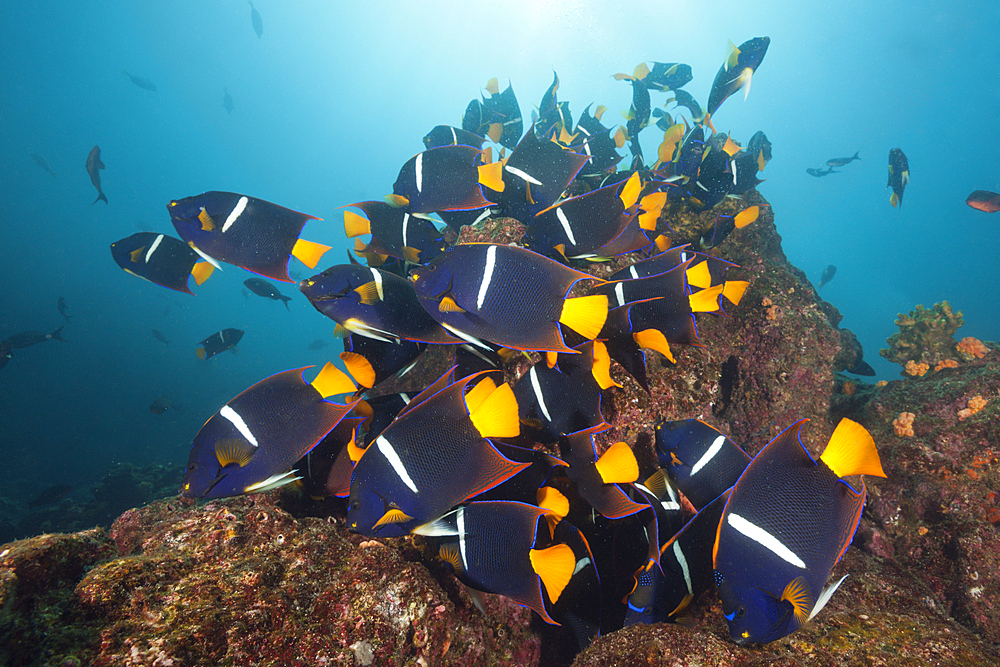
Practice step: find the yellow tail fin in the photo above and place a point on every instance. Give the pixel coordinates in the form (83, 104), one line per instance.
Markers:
(491, 175)
(602, 366)
(746, 216)
(359, 368)
(734, 290)
(331, 381)
(706, 300)
(851, 451)
(496, 416)
(699, 275)
(585, 314)
(308, 252)
(653, 339)
(618, 465)
(201, 272)
(355, 225)
(479, 393)
(630, 192)
(200, 352)
(493, 86)
(552, 499)
(554, 566)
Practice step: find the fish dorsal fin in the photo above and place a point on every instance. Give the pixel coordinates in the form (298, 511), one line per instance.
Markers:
(851, 451)
(602, 366)
(496, 414)
(309, 252)
(585, 314)
(371, 292)
(207, 223)
(699, 275)
(653, 339)
(491, 175)
(630, 191)
(551, 499)
(798, 594)
(393, 515)
(824, 597)
(706, 300)
(618, 465)
(331, 381)
(732, 55)
(554, 566)
(233, 450)
(746, 216)
(355, 225)
(201, 272)
(734, 290)
(359, 368)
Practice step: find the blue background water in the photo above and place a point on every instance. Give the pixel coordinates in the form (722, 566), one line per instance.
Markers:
(331, 101)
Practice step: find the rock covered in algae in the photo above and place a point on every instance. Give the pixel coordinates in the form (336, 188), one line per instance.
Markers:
(925, 336)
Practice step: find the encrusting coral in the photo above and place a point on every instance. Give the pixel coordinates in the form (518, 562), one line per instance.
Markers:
(926, 336)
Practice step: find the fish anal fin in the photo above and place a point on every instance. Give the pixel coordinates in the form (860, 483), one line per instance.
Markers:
(309, 252)
(653, 339)
(851, 451)
(554, 566)
(331, 381)
(618, 465)
(585, 314)
(359, 368)
(355, 225)
(797, 593)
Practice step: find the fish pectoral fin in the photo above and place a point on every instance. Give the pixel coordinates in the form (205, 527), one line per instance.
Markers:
(272, 482)
(824, 597)
(495, 415)
(618, 465)
(397, 201)
(653, 339)
(207, 223)
(554, 566)
(369, 293)
(201, 272)
(200, 353)
(309, 252)
(411, 255)
(360, 368)
(331, 381)
(450, 554)
(797, 593)
(233, 450)
(448, 305)
(851, 451)
(585, 314)
(657, 483)
(393, 515)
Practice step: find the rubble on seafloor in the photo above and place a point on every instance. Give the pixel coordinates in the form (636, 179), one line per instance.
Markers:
(276, 579)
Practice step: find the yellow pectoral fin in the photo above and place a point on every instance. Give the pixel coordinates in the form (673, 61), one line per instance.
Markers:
(553, 500)
(706, 300)
(200, 352)
(618, 465)
(234, 450)
(699, 275)
(201, 272)
(450, 554)
(554, 566)
(359, 368)
(411, 255)
(370, 293)
(851, 451)
(331, 381)
(585, 314)
(355, 225)
(653, 339)
(309, 252)
(207, 224)
(393, 516)
(397, 201)
(448, 305)
(657, 483)
(679, 609)
(746, 216)
(496, 416)
(798, 594)
(136, 255)
(734, 290)
(491, 175)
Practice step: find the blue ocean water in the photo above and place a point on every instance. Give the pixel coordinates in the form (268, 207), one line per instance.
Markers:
(332, 99)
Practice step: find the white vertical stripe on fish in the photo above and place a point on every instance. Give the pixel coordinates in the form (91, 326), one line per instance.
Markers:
(235, 213)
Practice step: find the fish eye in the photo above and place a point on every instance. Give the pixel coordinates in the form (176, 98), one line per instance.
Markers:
(741, 611)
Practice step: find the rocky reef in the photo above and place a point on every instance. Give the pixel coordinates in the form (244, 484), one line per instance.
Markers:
(276, 579)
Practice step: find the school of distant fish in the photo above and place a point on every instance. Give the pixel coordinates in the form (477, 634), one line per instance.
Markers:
(504, 480)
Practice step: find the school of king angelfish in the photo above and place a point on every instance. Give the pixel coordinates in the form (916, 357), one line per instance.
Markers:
(505, 478)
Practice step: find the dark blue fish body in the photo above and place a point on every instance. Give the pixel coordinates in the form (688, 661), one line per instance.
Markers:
(638, 115)
(899, 176)
(508, 111)
(668, 76)
(788, 520)
(447, 178)
(507, 296)
(536, 174)
(745, 167)
(63, 307)
(29, 338)
(702, 462)
(692, 150)
(687, 100)
(578, 226)
(819, 172)
(251, 444)
(143, 83)
(218, 342)
(395, 232)
(245, 231)
(714, 181)
(760, 147)
(842, 161)
(160, 259)
(43, 163)
(594, 140)
(326, 469)
(373, 303)
(445, 135)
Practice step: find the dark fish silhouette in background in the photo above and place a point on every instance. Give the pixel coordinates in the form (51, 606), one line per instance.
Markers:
(29, 338)
(841, 161)
(160, 405)
(984, 200)
(828, 274)
(227, 100)
(63, 307)
(256, 20)
(899, 176)
(143, 83)
(94, 166)
(43, 163)
(317, 344)
(220, 341)
(53, 494)
(819, 172)
(6, 353)
(261, 287)
(158, 335)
